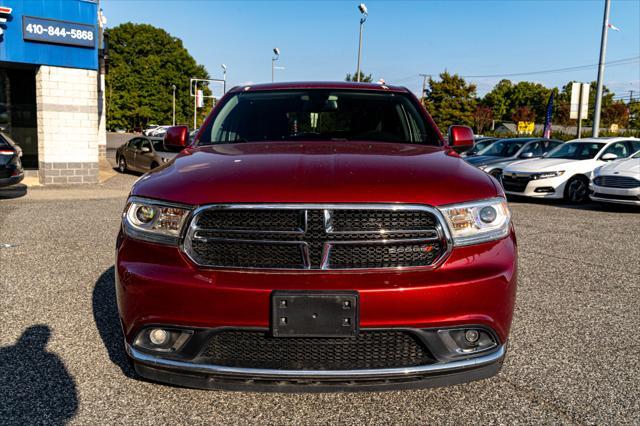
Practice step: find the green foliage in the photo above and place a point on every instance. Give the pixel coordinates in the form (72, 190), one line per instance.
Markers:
(363, 78)
(451, 101)
(144, 61)
(506, 98)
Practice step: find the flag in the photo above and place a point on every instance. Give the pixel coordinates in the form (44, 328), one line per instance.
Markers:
(613, 27)
(546, 133)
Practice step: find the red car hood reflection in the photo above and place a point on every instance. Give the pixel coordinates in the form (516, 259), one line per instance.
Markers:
(316, 172)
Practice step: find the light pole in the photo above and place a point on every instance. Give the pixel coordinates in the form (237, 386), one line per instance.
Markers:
(224, 78)
(365, 13)
(173, 86)
(276, 53)
(603, 54)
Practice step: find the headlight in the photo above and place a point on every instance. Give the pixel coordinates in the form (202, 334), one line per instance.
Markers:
(154, 221)
(547, 175)
(477, 222)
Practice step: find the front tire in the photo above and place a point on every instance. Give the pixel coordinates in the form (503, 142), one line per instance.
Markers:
(122, 165)
(577, 190)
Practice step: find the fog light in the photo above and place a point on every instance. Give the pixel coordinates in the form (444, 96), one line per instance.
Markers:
(158, 336)
(471, 336)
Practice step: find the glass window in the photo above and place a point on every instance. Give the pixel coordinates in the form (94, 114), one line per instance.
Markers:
(144, 143)
(158, 145)
(635, 145)
(619, 148)
(535, 148)
(503, 148)
(315, 114)
(577, 150)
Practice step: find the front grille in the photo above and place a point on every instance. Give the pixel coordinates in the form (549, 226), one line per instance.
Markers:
(369, 349)
(623, 182)
(515, 183)
(297, 237)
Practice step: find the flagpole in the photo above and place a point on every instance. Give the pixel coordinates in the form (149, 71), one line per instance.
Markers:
(603, 54)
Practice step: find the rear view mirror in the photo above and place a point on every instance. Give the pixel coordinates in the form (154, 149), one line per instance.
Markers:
(145, 149)
(461, 138)
(609, 156)
(526, 155)
(177, 137)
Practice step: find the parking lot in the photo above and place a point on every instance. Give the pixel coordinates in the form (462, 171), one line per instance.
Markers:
(573, 351)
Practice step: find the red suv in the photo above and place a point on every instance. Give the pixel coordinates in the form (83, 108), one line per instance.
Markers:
(317, 236)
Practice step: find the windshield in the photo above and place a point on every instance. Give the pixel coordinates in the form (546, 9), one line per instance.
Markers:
(503, 148)
(309, 115)
(636, 155)
(576, 150)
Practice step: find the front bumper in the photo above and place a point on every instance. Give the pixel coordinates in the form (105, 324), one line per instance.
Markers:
(552, 188)
(159, 285)
(206, 376)
(604, 194)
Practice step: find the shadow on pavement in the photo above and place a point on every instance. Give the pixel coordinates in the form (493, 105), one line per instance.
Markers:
(35, 386)
(107, 319)
(15, 191)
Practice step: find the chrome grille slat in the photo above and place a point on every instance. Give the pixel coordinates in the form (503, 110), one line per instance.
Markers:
(367, 236)
(622, 182)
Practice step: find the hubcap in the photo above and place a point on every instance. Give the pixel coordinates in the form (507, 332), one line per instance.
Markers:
(577, 191)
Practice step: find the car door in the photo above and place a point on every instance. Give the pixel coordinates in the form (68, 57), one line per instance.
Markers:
(130, 152)
(144, 155)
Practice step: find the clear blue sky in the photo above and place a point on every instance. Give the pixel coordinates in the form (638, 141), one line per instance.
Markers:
(319, 39)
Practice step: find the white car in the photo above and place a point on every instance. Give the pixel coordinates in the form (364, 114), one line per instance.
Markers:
(565, 172)
(617, 182)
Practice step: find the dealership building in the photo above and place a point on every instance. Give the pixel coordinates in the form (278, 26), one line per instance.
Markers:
(52, 85)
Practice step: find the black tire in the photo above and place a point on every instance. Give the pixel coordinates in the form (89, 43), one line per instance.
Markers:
(577, 190)
(122, 165)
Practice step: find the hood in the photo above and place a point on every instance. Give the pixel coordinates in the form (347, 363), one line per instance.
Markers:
(626, 167)
(483, 160)
(541, 165)
(316, 172)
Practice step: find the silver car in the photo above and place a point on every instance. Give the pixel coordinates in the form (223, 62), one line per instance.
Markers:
(142, 154)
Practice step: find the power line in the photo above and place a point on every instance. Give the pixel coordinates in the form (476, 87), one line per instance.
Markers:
(618, 62)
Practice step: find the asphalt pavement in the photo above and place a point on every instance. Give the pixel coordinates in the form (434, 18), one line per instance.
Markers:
(573, 354)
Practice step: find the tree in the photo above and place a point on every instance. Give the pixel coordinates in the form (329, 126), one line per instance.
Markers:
(634, 115)
(363, 78)
(144, 61)
(523, 113)
(482, 118)
(451, 100)
(498, 100)
(616, 113)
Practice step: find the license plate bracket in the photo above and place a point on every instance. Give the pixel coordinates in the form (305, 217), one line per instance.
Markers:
(314, 313)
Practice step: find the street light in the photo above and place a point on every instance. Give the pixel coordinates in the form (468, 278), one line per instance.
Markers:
(224, 78)
(276, 52)
(365, 13)
(173, 86)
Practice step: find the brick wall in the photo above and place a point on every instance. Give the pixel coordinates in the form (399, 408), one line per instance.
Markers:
(68, 136)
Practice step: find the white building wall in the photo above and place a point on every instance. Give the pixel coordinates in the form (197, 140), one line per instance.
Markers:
(67, 105)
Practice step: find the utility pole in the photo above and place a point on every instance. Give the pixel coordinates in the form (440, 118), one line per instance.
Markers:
(630, 96)
(173, 86)
(424, 86)
(601, 62)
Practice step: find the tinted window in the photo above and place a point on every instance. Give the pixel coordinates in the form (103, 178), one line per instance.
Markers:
(158, 145)
(145, 144)
(576, 150)
(619, 148)
(3, 143)
(635, 145)
(503, 148)
(135, 143)
(535, 148)
(319, 115)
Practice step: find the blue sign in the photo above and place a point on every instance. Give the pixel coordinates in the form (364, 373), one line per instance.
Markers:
(58, 32)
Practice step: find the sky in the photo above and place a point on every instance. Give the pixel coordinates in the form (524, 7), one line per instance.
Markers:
(318, 40)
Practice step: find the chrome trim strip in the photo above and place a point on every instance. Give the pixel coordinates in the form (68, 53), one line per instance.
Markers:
(441, 227)
(452, 366)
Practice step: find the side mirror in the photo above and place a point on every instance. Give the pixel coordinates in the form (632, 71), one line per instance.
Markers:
(526, 155)
(460, 138)
(609, 156)
(145, 149)
(177, 137)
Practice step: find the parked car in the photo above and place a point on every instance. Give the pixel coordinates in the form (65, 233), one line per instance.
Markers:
(565, 172)
(142, 154)
(158, 131)
(495, 157)
(316, 236)
(617, 182)
(11, 171)
(149, 130)
(479, 144)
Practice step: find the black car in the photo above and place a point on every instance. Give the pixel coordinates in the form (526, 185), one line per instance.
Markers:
(11, 171)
